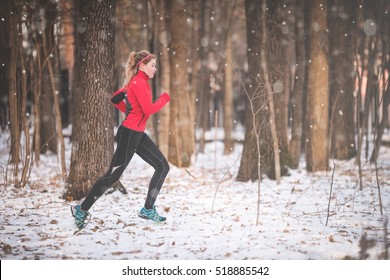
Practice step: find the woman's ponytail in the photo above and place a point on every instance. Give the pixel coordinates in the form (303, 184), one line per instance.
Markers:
(130, 67)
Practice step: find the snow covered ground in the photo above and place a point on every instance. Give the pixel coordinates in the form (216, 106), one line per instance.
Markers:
(209, 214)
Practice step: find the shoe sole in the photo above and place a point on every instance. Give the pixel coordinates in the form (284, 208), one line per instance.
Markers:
(72, 210)
(143, 216)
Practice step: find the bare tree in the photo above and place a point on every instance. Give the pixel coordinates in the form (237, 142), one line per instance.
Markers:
(342, 77)
(162, 48)
(203, 115)
(359, 74)
(194, 63)
(382, 98)
(299, 86)
(268, 80)
(4, 57)
(46, 14)
(181, 139)
(27, 159)
(92, 135)
(250, 165)
(12, 90)
(50, 50)
(228, 81)
(317, 151)
(270, 91)
(66, 54)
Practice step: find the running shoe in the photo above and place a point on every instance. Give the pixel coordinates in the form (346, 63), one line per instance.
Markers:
(80, 216)
(151, 214)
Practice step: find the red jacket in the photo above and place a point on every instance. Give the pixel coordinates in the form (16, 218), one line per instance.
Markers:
(136, 101)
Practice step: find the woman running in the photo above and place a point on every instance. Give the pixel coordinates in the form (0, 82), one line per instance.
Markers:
(135, 100)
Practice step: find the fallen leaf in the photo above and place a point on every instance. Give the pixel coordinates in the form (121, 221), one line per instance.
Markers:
(7, 248)
(148, 229)
(130, 225)
(135, 251)
(343, 232)
(95, 228)
(156, 245)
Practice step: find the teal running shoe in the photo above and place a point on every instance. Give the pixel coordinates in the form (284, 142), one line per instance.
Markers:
(80, 216)
(151, 214)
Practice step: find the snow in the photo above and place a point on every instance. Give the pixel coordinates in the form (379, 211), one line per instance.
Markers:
(209, 214)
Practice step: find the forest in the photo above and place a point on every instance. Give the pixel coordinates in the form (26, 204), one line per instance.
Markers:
(303, 78)
(305, 81)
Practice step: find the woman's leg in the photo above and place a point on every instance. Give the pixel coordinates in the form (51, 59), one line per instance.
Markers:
(149, 152)
(128, 140)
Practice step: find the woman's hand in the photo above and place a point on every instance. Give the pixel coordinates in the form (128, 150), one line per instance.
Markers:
(165, 96)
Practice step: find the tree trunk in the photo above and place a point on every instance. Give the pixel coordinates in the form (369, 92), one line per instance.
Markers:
(92, 146)
(383, 91)
(12, 90)
(36, 107)
(4, 58)
(275, 104)
(181, 123)
(45, 32)
(250, 156)
(317, 151)
(57, 116)
(203, 116)
(299, 86)
(267, 93)
(275, 49)
(228, 87)
(382, 125)
(26, 162)
(194, 64)
(163, 125)
(66, 59)
(343, 80)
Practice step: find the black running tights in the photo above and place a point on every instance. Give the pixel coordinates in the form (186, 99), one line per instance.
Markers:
(130, 142)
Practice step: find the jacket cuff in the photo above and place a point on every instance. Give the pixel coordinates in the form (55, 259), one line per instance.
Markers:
(166, 97)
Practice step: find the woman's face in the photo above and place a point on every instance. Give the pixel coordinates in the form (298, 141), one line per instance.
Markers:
(149, 68)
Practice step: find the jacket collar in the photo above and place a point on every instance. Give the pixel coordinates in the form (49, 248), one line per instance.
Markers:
(143, 75)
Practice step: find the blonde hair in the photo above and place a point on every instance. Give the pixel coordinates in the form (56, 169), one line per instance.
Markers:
(134, 61)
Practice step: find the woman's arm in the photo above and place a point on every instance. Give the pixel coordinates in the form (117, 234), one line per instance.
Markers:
(144, 97)
(118, 99)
